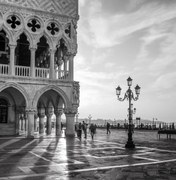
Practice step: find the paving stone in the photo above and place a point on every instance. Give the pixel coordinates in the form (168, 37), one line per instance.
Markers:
(103, 158)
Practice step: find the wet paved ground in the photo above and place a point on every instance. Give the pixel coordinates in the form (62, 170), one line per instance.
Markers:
(104, 158)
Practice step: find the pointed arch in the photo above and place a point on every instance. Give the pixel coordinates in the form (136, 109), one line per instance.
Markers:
(67, 42)
(48, 39)
(8, 34)
(47, 88)
(19, 88)
(28, 35)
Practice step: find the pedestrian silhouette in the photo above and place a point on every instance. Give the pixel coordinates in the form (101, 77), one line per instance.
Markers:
(79, 131)
(108, 128)
(92, 129)
(84, 128)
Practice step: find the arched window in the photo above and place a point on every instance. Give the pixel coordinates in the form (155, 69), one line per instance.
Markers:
(42, 54)
(4, 48)
(3, 111)
(22, 52)
(61, 53)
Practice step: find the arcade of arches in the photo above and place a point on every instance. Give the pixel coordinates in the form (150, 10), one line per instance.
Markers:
(23, 55)
(16, 119)
(37, 49)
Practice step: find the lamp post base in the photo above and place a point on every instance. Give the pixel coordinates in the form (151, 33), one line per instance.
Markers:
(130, 145)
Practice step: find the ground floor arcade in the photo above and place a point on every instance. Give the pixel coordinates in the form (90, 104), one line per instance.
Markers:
(38, 110)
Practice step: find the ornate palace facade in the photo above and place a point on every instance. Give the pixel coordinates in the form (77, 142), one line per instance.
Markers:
(38, 43)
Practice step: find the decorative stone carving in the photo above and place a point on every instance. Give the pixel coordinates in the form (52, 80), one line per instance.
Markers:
(30, 110)
(58, 112)
(53, 28)
(13, 22)
(68, 30)
(66, 7)
(34, 25)
(76, 91)
(70, 110)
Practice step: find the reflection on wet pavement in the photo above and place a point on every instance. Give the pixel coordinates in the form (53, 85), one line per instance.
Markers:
(102, 158)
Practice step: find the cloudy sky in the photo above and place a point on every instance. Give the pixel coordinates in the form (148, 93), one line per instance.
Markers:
(122, 38)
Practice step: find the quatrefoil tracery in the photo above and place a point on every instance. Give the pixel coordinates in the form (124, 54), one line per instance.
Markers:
(34, 25)
(68, 30)
(53, 28)
(13, 21)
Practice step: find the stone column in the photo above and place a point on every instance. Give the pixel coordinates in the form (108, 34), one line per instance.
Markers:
(41, 123)
(58, 114)
(52, 71)
(30, 122)
(22, 123)
(70, 117)
(48, 124)
(71, 66)
(17, 124)
(36, 128)
(12, 59)
(32, 62)
(65, 65)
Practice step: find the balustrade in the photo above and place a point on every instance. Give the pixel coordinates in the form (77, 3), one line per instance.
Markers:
(41, 73)
(22, 71)
(61, 74)
(4, 69)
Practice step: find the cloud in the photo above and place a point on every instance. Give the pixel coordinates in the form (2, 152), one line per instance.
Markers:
(82, 3)
(112, 30)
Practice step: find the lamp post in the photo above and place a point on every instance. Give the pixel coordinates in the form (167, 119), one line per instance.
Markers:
(129, 96)
(89, 117)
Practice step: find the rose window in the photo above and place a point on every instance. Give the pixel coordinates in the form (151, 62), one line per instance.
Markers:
(53, 28)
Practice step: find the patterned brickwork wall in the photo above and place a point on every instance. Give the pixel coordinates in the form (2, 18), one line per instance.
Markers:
(62, 7)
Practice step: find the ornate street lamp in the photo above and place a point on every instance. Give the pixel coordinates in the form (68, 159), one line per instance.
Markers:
(129, 96)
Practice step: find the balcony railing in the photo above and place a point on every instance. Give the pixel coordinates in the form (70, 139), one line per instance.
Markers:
(40, 73)
(22, 71)
(61, 74)
(4, 69)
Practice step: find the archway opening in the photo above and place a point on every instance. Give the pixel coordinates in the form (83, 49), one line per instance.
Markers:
(42, 54)
(12, 112)
(22, 52)
(61, 60)
(50, 109)
(4, 48)
(3, 110)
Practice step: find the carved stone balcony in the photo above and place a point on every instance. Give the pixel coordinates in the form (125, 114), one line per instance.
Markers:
(40, 73)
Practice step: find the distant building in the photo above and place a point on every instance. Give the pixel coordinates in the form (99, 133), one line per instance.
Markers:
(38, 42)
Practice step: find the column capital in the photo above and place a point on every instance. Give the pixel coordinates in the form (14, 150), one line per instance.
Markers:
(13, 45)
(52, 51)
(58, 112)
(70, 111)
(71, 54)
(33, 48)
(30, 110)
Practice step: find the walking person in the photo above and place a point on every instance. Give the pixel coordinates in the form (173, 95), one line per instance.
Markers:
(108, 128)
(84, 128)
(92, 129)
(79, 131)
(76, 128)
